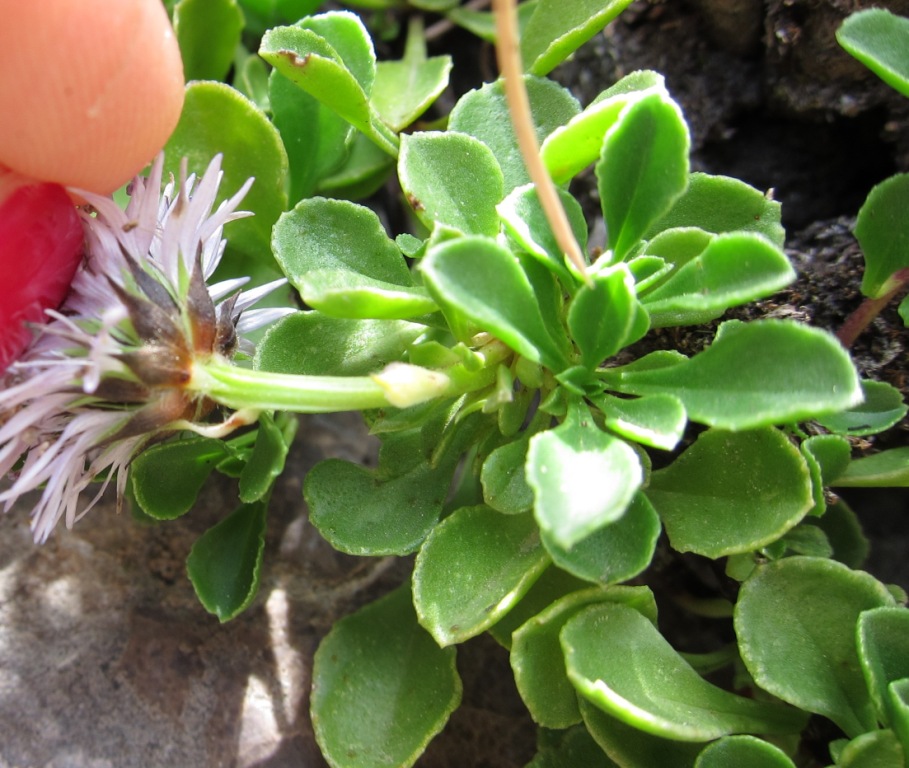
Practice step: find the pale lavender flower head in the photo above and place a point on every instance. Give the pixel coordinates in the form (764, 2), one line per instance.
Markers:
(112, 369)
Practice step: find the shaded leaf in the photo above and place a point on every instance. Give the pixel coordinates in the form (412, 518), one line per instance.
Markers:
(538, 661)
(883, 407)
(208, 32)
(167, 477)
(218, 119)
(308, 343)
(887, 469)
(382, 688)
(225, 562)
(796, 621)
(743, 752)
(882, 230)
(473, 567)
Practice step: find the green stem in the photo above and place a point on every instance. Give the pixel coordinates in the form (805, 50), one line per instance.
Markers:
(244, 388)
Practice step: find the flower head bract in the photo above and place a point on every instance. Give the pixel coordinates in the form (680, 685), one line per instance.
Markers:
(112, 370)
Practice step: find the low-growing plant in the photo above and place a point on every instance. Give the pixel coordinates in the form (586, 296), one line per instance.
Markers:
(538, 443)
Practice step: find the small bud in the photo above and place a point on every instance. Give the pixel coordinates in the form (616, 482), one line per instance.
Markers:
(406, 385)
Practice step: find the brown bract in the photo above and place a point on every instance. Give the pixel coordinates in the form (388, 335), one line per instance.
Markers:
(89, 91)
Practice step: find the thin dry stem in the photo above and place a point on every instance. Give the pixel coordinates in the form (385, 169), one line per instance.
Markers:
(509, 58)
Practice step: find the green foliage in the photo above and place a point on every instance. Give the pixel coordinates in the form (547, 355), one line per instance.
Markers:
(382, 688)
(537, 438)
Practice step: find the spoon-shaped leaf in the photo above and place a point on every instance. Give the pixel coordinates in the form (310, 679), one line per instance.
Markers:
(225, 562)
(883, 647)
(451, 179)
(537, 659)
(582, 478)
(479, 278)
(643, 169)
(882, 229)
(382, 688)
(880, 40)
(620, 662)
(557, 29)
(732, 492)
(754, 374)
(743, 752)
(473, 567)
(796, 622)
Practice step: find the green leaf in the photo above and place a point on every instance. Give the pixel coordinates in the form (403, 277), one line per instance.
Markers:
(657, 421)
(619, 661)
(266, 462)
(796, 621)
(733, 269)
(483, 24)
(484, 114)
(361, 513)
(882, 408)
(877, 749)
(345, 294)
(525, 221)
(605, 316)
(574, 145)
(225, 562)
(616, 552)
(887, 469)
(167, 477)
(643, 169)
(322, 234)
(732, 492)
(334, 346)
(403, 90)
(482, 280)
(883, 648)
(844, 532)
(898, 704)
(880, 40)
(218, 119)
(365, 169)
(208, 32)
(721, 204)
(557, 29)
(754, 374)
(631, 747)
(473, 567)
(338, 72)
(553, 584)
(575, 747)
(451, 179)
(382, 688)
(538, 661)
(504, 483)
(582, 478)
(317, 139)
(882, 229)
(742, 752)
